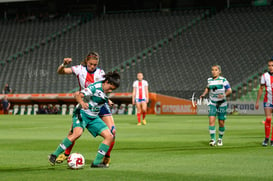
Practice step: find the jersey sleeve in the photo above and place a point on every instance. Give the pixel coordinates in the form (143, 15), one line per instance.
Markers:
(146, 83)
(135, 84)
(89, 91)
(208, 83)
(76, 69)
(262, 80)
(226, 84)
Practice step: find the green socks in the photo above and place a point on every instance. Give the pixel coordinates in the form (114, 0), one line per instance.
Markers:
(212, 132)
(221, 132)
(103, 148)
(62, 147)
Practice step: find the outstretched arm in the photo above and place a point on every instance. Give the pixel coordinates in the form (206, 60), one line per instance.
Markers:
(62, 70)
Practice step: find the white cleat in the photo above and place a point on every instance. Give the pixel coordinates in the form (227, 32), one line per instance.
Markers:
(219, 142)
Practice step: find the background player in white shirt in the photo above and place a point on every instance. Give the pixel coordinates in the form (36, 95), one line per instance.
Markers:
(267, 83)
(87, 73)
(140, 97)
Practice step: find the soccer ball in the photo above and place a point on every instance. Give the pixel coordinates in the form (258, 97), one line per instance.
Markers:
(75, 161)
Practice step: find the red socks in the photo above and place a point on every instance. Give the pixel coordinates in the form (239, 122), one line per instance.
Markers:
(267, 127)
(68, 150)
(143, 115)
(110, 149)
(139, 117)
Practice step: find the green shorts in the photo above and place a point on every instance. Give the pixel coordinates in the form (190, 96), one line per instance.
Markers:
(93, 124)
(221, 111)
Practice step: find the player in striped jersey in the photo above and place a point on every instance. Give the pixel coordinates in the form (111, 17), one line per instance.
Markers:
(87, 73)
(218, 88)
(90, 101)
(140, 97)
(267, 83)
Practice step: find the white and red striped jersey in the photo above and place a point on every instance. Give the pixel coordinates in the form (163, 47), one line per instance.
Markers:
(86, 78)
(140, 89)
(267, 80)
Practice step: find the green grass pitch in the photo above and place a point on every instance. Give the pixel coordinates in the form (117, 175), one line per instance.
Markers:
(167, 148)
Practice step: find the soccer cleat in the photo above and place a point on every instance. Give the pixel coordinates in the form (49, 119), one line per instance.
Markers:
(212, 143)
(144, 122)
(106, 161)
(52, 159)
(61, 158)
(219, 142)
(271, 143)
(138, 124)
(100, 165)
(265, 142)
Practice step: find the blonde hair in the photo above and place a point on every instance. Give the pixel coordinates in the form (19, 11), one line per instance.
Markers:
(219, 67)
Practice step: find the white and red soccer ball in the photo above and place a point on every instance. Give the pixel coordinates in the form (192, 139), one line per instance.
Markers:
(75, 161)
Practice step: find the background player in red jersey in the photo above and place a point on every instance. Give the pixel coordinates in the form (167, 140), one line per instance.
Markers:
(140, 97)
(267, 83)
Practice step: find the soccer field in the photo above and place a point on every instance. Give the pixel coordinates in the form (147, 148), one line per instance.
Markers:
(167, 148)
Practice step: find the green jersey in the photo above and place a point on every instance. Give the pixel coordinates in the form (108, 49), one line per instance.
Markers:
(217, 87)
(95, 97)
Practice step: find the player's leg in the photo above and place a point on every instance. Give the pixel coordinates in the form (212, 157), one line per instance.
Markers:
(77, 127)
(144, 111)
(98, 127)
(109, 121)
(267, 125)
(212, 130)
(222, 117)
(138, 105)
(62, 157)
(77, 132)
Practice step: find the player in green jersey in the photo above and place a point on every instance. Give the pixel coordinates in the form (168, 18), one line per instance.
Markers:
(218, 88)
(90, 100)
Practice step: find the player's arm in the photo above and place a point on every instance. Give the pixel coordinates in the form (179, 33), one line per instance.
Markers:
(79, 98)
(110, 103)
(228, 92)
(62, 69)
(133, 95)
(147, 94)
(259, 95)
(204, 93)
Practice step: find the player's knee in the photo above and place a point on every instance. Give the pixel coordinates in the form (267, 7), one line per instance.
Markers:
(109, 138)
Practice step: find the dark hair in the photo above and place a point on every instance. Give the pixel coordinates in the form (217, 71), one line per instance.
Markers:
(112, 78)
(270, 60)
(91, 55)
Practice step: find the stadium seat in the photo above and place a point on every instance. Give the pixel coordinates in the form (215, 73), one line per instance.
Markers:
(22, 109)
(130, 109)
(71, 109)
(15, 109)
(35, 108)
(29, 109)
(64, 109)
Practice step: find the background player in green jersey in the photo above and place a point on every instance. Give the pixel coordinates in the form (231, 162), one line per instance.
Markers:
(218, 88)
(90, 100)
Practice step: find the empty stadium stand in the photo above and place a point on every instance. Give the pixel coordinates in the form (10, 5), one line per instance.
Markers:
(238, 39)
